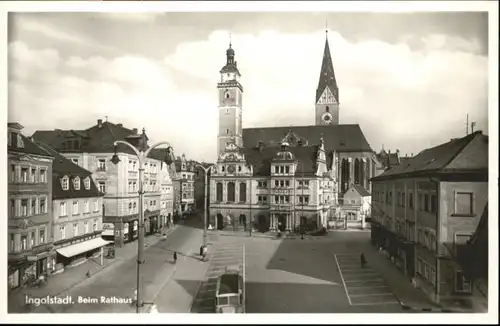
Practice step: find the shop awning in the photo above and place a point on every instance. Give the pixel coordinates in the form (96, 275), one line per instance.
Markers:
(82, 247)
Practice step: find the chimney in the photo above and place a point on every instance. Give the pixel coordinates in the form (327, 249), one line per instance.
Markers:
(99, 123)
(120, 125)
(134, 131)
(411, 154)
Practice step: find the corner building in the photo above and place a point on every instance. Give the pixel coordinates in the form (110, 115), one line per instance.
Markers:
(321, 160)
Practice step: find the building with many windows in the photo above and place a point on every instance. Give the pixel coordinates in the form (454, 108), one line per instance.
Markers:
(93, 149)
(273, 188)
(186, 177)
(348, 156)
(29, 208)
(76, 212)
(425, 209)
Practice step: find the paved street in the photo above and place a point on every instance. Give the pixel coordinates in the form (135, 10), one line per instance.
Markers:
(311, 276)
(363, 286)
(229, 251)
(157, 272)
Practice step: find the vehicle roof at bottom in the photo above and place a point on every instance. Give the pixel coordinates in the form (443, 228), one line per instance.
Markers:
(228, 283)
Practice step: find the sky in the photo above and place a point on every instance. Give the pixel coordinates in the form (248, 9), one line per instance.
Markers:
(408, 79)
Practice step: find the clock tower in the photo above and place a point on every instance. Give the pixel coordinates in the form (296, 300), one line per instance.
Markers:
(327, 93)
(230, 104)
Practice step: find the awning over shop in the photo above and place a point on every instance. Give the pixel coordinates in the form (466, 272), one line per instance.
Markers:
(82, 247)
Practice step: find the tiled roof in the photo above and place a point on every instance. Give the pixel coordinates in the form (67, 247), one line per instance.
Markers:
(261, 159)
(342, 138)
(61, 167)
(361, 190)
(432, 159)
(29, 147)
(96, 139)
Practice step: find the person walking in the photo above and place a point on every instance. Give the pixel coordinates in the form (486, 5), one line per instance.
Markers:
(175, 257)
(363, 260)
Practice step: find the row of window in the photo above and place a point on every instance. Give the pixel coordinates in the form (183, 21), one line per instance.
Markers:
(148, 186)
(425, 270)
(77, 228)
(133, 207)
(426, 238)
(463, 202)
(426, 202)
(27, 174)
(262, 199)
(187, 176)
(28, 206)
(27, 241)
(283, 183)
(63, 207)
(282, 169)
(76, 183)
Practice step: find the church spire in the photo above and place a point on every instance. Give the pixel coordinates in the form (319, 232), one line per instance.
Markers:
(327, 75)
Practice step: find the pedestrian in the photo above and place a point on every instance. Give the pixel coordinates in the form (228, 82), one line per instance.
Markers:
(363, 260)
(175, 257)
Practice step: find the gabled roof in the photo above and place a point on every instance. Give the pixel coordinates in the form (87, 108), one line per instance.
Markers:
(361, 190)
(327, 75)
(62, 167)
(431, 160)
(96, 139)
(261, 159)
(29, 147)
(341, 138)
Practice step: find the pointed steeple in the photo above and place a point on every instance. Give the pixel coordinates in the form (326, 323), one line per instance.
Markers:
(327, 75)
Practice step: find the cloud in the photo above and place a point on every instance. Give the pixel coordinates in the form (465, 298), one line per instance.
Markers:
(395, 93)
(401, 97)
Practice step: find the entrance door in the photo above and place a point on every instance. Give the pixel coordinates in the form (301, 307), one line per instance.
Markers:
(282, 222)
(243, 220)
(220, 221)
(263, 226)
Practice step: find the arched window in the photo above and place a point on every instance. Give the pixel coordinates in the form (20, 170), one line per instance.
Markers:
(344, 175)
(357, 170)
(218, 192)
(230, 192)
(243, 192)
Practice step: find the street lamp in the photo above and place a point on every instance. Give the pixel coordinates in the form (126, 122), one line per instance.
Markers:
(206, 170)
(142, 153)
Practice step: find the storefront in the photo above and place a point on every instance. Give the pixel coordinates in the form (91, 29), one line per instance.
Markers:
(76, 253)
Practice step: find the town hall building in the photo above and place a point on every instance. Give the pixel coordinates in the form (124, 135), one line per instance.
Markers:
(284, 177)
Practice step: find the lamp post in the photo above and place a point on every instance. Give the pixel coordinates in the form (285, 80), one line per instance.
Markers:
(206, 170)
(142, 153)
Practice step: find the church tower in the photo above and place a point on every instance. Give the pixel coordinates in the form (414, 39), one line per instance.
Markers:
(327, 93)
(230, 104)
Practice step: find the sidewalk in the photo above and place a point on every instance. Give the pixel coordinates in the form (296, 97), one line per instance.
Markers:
(410, 297)
(76, 276)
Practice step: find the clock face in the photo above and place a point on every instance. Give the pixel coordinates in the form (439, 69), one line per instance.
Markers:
(231, 169)
(326, 117)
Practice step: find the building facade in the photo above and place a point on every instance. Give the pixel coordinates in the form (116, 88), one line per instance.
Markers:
(349, 157)
(76, 213)
(354, 208)
(425, 209)
(166, 194)
(186, 177)
(30, 205)
(93, 149)
(276, 188)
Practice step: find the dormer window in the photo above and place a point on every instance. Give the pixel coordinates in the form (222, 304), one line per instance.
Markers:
(87, 183)
(20, 142)
(76, 183)
(65, 183)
